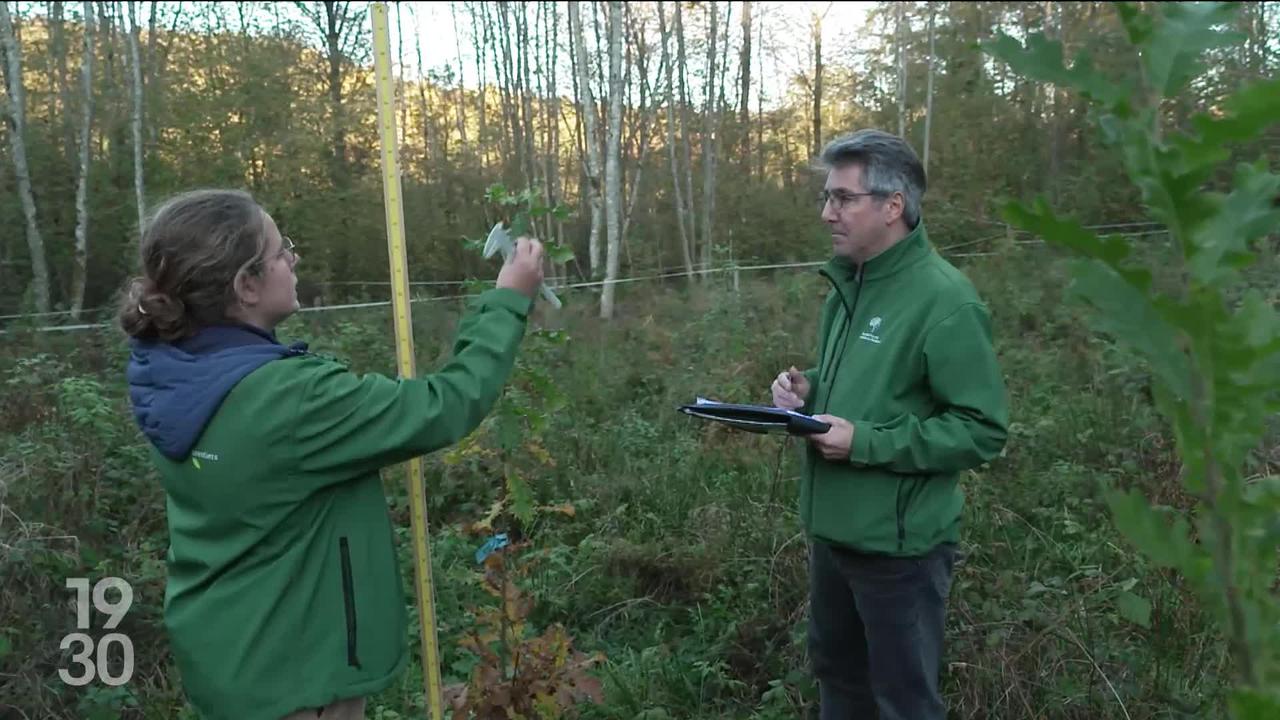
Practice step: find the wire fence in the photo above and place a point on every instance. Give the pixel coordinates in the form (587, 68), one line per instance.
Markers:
(699, 269)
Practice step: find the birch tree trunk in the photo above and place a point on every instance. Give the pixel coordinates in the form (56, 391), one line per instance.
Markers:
(80, 269)
(613, 160)
(555, 225)
(709, 142)
(902, 71)
(526, 95)
(744, 90)
(460, 100)
(509, 75)
(58, 47)
(928, 103)
(686, 124)
(422, 109)
(646, 115)
(138, 146)
(594, 188)
(678, 193)
(481, 36)
(15, 108)
(816, 31)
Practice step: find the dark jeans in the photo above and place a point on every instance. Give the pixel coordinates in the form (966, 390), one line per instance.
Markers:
(876, 631)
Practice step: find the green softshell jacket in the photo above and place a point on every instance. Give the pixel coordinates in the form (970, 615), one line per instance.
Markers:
(905, 354)
(284, 590)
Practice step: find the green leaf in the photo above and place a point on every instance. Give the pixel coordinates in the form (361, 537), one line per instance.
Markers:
(1134, 608)
(1222, 244)
(559, 253)
(5, 646)
(1171, 52)
(520, 497)
(1167, 544)
(496, 193)
(510, 431)
(1243, 115)
(520, 225)
(1041, 59)
(1041, 220)
(1130, 316)
(1137, 24)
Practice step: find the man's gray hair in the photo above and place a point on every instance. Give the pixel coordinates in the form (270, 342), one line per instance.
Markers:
(888, 164)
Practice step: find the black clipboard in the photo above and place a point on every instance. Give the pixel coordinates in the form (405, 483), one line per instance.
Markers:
(756, 418)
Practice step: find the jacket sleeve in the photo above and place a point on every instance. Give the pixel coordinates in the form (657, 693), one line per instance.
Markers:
(349, 425)
(972, 418)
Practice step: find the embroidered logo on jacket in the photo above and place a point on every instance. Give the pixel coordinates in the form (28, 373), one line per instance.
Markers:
(873, 328)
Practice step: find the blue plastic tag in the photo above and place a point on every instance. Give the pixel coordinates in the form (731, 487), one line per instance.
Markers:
(495, 543)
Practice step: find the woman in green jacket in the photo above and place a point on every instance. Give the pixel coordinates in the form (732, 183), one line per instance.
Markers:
(284, 597)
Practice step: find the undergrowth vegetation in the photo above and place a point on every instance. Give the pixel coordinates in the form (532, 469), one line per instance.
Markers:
(660, 555)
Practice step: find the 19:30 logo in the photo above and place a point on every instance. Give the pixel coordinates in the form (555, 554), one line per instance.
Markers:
(91, 657)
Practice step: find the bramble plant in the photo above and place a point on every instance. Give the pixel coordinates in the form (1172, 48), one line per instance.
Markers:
(1211, 342)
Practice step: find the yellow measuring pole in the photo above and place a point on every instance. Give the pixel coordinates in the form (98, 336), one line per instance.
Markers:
(404, 347)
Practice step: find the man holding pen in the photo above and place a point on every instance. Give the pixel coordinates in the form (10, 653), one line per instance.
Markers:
(908, 378)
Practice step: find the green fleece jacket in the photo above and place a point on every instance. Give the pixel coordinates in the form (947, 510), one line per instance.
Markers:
(284, 591)
(905, 354)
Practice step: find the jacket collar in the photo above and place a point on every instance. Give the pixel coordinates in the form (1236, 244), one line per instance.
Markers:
(903, 254)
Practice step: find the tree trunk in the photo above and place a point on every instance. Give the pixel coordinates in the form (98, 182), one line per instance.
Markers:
(80, 269)
(422, 109)
(817, 85)
(744, 90)
(460, 99)
(333, 40)
(678, 193)
(15, 107)
(481, 39)
(902, 71)
(709, 143)
(1061, 112)
(928, 103)
(526, 94)
(555, 226)
(138, 147)
(58, 47)
(587, 110)
(646, 113)
(513, 137)
(156, 64)
(760, 122)
(613, 167)
(686, 127)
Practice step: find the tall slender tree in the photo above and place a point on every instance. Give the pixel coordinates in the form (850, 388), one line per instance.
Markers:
(594, 189)
(613, 159)
(14, 107)
(80, 267)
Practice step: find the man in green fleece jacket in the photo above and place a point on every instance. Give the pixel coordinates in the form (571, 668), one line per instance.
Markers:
(909, 381)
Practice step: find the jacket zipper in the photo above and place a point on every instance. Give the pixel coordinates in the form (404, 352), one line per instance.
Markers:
(842, 339)
(349, 602)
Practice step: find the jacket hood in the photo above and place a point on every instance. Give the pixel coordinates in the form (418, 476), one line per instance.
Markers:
(176, 388)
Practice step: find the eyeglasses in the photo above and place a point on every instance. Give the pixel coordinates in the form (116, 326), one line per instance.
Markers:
(839, 198)
(287, 249)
